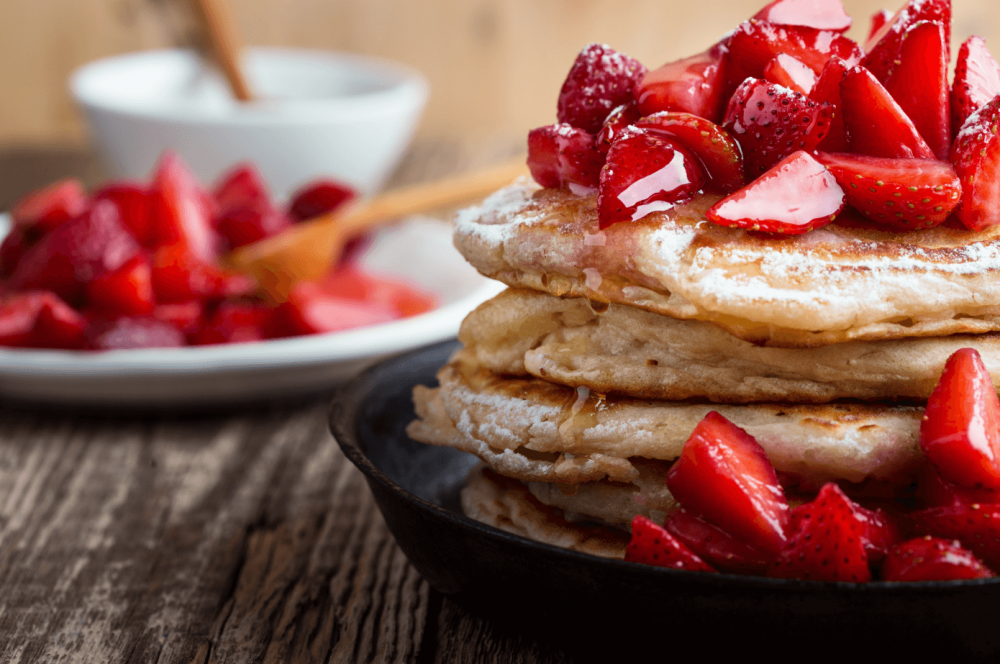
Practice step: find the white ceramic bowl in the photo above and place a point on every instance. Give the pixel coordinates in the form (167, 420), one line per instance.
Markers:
(318, 114)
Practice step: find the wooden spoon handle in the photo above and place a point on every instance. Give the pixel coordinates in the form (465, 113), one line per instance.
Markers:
(217, 19)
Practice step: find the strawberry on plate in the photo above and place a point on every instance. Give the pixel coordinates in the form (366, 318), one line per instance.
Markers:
(796, 196)
(827, 89)
(653, 545)
(932, 559)
(39, 319)
(791, 73)
(50, 206)
(875, 123)
(560, 155)
(976, 157)
(616, 122)
(693, 85)
(907, 194)
(599, 80)
(977, 81)
(719, 154)
(882, 48)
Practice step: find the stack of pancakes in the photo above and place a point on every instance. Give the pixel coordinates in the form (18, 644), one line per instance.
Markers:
(578, 386)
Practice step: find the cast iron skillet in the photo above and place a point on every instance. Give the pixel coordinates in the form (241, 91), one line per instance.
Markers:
(594, 606)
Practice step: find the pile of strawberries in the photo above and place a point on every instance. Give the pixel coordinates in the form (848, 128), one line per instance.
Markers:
(141, 265)
(735, 516)
(790, 120)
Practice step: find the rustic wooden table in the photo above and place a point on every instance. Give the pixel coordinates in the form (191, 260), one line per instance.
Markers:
(237, 536)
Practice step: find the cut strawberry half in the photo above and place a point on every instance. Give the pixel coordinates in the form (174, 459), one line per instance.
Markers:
(976, 157)
(616, 122)
(50, 206)
(133, 202)
(755, 43)
(560, 154)
(827, 89)
(786, 71)
(39, 319)
(318, 198)
(771, 122)
(714, 545)
(719, 154)
(939, 492)
(724, 476)
(599, 80)
(821, 14)
(878, 20)
(932, 559)
(976, 526)
(919, 84)
(242, 187)
(960, 431)
(977, 81)
(178, 276)
(828, 542)
(882, 48)
(693, 85)
(241, 226)
(796, 196)
(875, 123)
(908, 194)
(235, 322)
(311, 309)
(653, 545)
(645, 173)
(126, 291)
(181, 211)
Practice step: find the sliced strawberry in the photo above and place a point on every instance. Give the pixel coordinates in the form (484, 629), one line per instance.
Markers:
(827, 89)
(181, 211)
(879, 533)
(652, 545)
(126, 291)
(875, 123)
(185, 316)
(821, 14)
(50, 206)
(560, 155)
(354, 284)
(828, 543)
(939, 492)
(878, 19)
(179, 277)
(977, 81)
(235, 322)
(796, 196)
(693, 85)
(786, 71)
(644, 173)
(241, 226)
(724, 476)
(131, 332)
(882, 48)
(616, 122)
(18, 241)
(311, 309)
(755, 43)
(919, 84)
(242, 187)
(908, 194)
(960, 431)
(318, 198)
(39, 319)
(976, 157)
(134, 203)
(719, 154)
(714, 545)
(771, 122)
(599, 80)
(976, 526)
(932, 559)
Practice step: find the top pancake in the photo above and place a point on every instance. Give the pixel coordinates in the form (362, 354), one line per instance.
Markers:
(846, 281)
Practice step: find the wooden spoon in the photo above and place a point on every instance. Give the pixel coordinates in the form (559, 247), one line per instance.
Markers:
(308, 249)
(217, 20)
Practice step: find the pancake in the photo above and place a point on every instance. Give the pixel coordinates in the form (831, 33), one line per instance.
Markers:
(628, 351)
(537, 431)
(845, 282)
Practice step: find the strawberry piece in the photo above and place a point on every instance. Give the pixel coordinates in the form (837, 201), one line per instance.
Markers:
(977, 81)
(693, 85)
(354, 284)
(714, 545)
(310, 309)
(180, 211)
(235, 322)
(878, 19)
(755, 43)
(125, 291)
(616, 122)
(827, 89)
(828, 542)
(939, 492)
(960, 431)
(178, 276)
(51, 206)
(599, 80)
(796, 196)
(821, 14)
(134, 204)
(185, 316)
(724, 476)
(932, 559)
(644, 173)
(241, 226)
(39, 319)
(560, 155)
(882, 48)
(771, 122)
(875, 123)
(18, 241)
(976, 157)
(131, 332)
(879, 531)
(919, 84)
(908, 194)
(786, 71)
(242, 187)
(652, 545)
(76, 253)
(318, 198)
(715, 149)
(975, 525)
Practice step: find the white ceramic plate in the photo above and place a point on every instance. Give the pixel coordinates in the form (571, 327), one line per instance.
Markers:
(419, 250)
